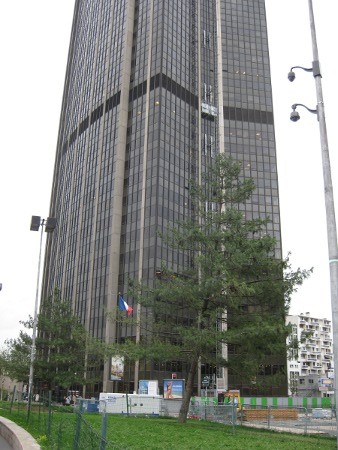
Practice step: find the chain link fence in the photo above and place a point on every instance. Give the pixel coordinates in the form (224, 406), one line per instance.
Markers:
(84, 425)
(300, 420)
(63, 427)
(214, 412)
(320, 421)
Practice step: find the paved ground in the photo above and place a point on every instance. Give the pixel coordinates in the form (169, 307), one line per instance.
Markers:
(317, 426)
(4, 444)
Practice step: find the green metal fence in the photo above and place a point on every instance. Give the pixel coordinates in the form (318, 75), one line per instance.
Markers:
(64, 427)
(84, 425)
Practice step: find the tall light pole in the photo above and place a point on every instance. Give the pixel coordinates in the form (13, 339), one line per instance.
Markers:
(49, 224)
(328, 191)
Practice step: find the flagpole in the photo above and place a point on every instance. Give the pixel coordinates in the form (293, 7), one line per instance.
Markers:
(119, 322)
(118, 331)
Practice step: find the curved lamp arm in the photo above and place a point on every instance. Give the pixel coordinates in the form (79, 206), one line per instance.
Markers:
(315, 69)
(294, 106)
(300, 67)
(294, 116)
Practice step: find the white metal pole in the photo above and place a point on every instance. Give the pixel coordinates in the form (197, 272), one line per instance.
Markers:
(31, 368)
(329, 205)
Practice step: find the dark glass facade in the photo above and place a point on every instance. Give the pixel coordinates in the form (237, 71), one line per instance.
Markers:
(153, 91)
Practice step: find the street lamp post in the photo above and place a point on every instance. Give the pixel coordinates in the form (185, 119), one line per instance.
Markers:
(49, 224)
(328, 190)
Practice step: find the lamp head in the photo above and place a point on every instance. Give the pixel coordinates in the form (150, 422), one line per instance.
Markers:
(294, 116)
(35, 223)
(291, 76)
(50, 224)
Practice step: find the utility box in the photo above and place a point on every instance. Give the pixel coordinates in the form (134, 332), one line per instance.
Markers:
(131, 403)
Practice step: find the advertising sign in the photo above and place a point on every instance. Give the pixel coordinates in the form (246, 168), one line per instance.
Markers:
(173, 389)
(116, 368)
(148, 387)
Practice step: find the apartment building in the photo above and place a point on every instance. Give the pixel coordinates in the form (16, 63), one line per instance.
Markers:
(310, 355)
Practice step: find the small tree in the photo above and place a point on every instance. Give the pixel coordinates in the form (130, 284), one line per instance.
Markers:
(234, 292)
(63, 347)
(17, 356)
(3, 371)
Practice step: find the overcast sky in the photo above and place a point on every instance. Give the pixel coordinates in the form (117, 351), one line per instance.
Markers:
(35, 38)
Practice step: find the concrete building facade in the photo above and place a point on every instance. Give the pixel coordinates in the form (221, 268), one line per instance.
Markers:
(310, 362)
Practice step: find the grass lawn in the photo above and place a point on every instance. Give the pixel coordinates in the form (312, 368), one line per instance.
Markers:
(131, 433)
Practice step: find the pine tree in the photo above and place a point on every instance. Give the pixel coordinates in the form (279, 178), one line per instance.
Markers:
(64, 349)
(233, 293)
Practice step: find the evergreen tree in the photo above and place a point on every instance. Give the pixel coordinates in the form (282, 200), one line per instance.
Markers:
(3, 373)
(234, 293)
(64, 349)
(60, 344)
(17, 357)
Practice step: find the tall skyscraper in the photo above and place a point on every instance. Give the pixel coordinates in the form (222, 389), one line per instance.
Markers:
(153, 91)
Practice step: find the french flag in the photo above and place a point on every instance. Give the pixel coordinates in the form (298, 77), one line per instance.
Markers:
(123, 305)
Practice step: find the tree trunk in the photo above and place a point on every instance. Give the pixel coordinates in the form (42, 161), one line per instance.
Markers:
(182, 418)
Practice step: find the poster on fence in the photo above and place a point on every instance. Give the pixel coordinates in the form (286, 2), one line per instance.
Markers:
(116, 368)
(148, 387)
(173, 389)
